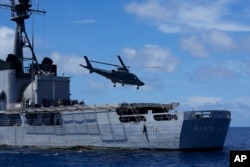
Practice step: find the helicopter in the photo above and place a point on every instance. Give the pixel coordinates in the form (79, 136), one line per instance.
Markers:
(121, 75)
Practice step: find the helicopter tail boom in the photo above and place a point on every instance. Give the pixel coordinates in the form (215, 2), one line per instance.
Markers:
(88, 66)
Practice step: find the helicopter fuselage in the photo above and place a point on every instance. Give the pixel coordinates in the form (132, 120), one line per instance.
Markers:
(118, 76)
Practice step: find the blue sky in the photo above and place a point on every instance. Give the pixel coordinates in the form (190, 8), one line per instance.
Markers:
(201, 46)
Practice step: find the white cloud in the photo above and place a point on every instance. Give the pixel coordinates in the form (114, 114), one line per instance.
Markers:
(239, 67)
(199, 11)
(68, 64)
(152, 56)
(205, 24)
(201, 43)
(202, 100)
(220, 40)
(243, 100)
(130, 52)
(209, 72)
(6, 41)
(96, 87)
(170, 16)
(169, 28)
(150, 9)
(85, 21)
(193, 45)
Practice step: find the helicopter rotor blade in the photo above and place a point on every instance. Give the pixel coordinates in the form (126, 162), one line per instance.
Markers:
(106, 63)
(122, 63)
(153, 67)
(120, 59)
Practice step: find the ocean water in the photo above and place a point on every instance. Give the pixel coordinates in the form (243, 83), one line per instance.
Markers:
(237, 139)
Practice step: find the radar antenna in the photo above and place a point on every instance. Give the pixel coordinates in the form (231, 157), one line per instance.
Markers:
(20, 11)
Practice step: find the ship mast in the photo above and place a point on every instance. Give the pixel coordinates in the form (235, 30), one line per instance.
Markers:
(20, 11)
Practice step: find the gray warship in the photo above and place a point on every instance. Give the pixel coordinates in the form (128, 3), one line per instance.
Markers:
(36, 109)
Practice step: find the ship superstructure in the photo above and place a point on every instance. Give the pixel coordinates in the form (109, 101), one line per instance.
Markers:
(36, 109)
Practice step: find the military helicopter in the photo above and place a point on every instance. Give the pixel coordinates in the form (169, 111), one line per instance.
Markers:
(121, 75)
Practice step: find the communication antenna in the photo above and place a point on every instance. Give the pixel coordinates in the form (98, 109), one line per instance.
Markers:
(20, 11)
(33, 24)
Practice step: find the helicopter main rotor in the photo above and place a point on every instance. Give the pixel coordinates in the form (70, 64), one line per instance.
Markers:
(121, 67)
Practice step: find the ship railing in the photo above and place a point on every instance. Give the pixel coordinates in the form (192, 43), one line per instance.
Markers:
(14, 107)
(101, 107)
(167, 106)
(18, 107)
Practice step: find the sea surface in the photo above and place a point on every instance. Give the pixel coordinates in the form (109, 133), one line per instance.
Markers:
(237, 139)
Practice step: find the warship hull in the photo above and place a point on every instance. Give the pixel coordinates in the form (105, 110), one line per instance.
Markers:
(80, 126)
